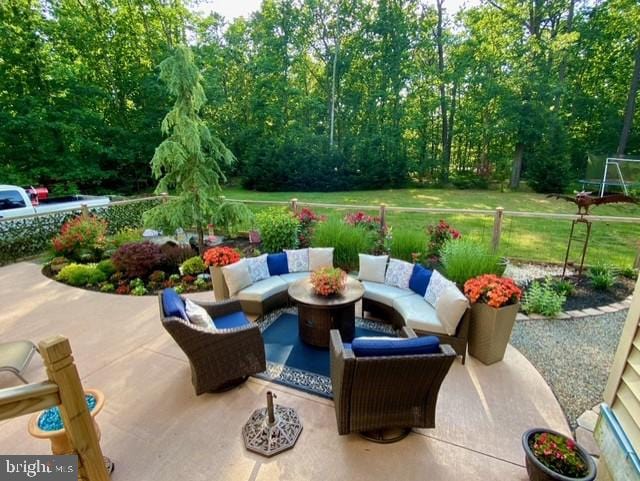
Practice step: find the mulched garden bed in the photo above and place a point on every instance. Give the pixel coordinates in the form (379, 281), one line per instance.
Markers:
(585, 295)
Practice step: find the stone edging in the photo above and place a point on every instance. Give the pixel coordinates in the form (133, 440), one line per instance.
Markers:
(576, 314)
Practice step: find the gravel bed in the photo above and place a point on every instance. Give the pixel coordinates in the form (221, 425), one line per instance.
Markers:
(574, 356)
(525, 273)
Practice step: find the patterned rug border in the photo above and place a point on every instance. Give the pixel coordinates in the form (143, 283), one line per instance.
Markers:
(306, 381)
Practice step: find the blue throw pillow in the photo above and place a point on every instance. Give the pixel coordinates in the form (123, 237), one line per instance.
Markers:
(277, 264)
(173, 304)
(230, 321)
(370, 347)
(419, 279)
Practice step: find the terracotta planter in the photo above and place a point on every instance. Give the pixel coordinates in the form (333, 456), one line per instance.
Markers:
(220, 289)
(539, 472)
(490, 331)
(60, 443)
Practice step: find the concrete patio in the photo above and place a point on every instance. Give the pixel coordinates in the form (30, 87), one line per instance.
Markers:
(154, 427)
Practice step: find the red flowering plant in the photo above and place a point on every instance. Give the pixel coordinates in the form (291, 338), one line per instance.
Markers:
(328, 280)
(308, 219)
(559, 454)
(221, 256)
(82, 238)
(492, 290)
(439, 234)
(359, 218)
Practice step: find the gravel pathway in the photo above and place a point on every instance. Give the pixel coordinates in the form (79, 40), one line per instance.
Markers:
(524, 273)
(574, 356)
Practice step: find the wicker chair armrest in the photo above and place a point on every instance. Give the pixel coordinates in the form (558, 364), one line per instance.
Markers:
(447, 350)
(407, 332)
(224, 343)
(218, 309)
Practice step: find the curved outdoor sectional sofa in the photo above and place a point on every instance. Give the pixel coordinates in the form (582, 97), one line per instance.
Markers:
(396, 292)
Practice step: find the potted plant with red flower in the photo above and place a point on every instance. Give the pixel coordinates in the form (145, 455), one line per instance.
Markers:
(551, 456)
(216, 258)
(328, 281)
(495, 301)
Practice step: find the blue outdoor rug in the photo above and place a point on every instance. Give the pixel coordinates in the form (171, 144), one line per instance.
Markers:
(293, 363)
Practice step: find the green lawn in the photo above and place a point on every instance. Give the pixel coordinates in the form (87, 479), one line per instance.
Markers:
(523, 238)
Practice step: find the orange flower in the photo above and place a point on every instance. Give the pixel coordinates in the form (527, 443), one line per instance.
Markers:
(492, 290)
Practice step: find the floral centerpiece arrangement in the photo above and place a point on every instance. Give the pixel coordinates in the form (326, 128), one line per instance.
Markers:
(492, 290)
(559, 454)
(328, 281)
(221, 256)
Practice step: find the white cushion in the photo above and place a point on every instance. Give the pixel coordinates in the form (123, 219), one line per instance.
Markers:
(450, 307)
(372, 268)
(383, 293)
(258, 267)
(437, 284)
(237, 276)
(293, 277)
(297, 260)
(418, 315)
(398, 273)
(320, 257)
(198, 315)
(263, 289)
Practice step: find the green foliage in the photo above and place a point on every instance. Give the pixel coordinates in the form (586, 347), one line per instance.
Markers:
(564, 287)
(107, 267)
(81, 275)
(139, 291)
(602, 276)
(279, 229)
(542, 298)
(193, 266)
(107, 287)
(348, 241)
(463, 259)
(201, 284)
(124, 236)
(629, 272)
(405, 244)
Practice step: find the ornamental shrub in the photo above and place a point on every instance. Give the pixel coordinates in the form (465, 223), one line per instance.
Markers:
(308, 219)
(278, 228)
(348, 241)
(463, 259)
(193, 266)
(175, 255)
(81, 275)
(107, 267)
(82, 238)
(602, 276)
(439, 234)
(138, 259)
(127, 235)
(542, 298)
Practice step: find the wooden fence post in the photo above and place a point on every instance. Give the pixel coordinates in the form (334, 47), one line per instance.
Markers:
(84, 209)
(497, 229)
(56, 353)
(636, 263)
(383, 217)
(293, 203)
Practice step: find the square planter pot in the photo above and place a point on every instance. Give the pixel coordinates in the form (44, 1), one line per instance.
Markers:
(220, 289)
(490, 331)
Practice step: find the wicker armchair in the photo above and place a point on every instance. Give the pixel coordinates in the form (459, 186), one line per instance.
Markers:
(219, 359)
(375, 395)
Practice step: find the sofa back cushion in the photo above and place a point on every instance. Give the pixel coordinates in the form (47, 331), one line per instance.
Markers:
(420, 278)
(372, 268)
(173, 305)
(437, 284)
(237, 276)
(277, 264)
(297, 260)
(198, 315)
(258, 267)
(320, 257)
(398, 273)
(450, 307)
(394, 346)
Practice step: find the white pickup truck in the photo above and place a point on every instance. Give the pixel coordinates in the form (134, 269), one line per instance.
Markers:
(17, 202)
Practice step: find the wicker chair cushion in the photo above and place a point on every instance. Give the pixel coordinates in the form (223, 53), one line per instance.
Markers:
(262, 290)
(320, 257)
(420, 278)
(297, 260)
(230, 321)
(383, 293)
(372, 268)
(277, 264)
(392, 347)
(450, 307)
(173, 304)
(398, 273)
(418, 315)
(237, 276)
(293, 277)
(197, 314)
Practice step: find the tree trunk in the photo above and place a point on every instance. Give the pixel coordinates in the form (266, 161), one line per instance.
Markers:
(452, 114)
(333, 77)
(443, 95)
(631, 105)
(516, 168)
(200, 240)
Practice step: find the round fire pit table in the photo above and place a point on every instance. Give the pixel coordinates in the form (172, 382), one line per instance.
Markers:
(317, 315)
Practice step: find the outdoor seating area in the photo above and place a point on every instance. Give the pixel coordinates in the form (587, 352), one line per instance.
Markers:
(152, 417)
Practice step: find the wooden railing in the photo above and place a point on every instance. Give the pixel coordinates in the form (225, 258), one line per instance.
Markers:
(63, 388)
